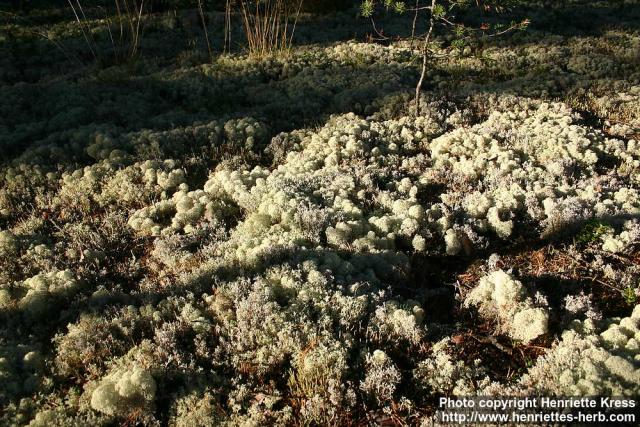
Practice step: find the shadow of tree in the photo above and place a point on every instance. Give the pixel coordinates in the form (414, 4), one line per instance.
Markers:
(44, 113)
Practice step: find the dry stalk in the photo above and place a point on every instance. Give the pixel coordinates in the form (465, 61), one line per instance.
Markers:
(129, 15)
(269, 25)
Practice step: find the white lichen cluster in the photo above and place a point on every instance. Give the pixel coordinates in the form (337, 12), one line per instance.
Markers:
(196, 410)
(442, 374)
(266, 320)
(20, 184)
(630, 235)
(180, 213)
(521, 160)
(246, 133)
(320, 375)
(319, 192)
(21, 370)
(382, 377)
(23, 254)
(582, 304)
(107, 184)
(8, 244)
(402, 324)
(123, 391)
(39, 295)
(500, 297)
(589, 361)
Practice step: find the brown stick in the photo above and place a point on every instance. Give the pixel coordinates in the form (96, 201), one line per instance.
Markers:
(425, 54)
(84, 34)
(206, 33)
(413, 25)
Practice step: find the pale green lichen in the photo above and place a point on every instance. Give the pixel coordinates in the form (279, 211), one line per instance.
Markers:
(124, 391)
(588, 363)
(441, 374)
(43, 290)
(308, 282)
(499, 296)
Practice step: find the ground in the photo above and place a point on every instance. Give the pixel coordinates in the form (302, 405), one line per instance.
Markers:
(281, 241)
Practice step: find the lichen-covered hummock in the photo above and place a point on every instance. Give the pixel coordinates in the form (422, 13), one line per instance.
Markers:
(359, 184)
(499, 296)
(123, 391)
(588, 361)
(38, 295)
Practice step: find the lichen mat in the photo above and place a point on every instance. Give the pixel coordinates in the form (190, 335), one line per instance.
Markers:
(281, 241)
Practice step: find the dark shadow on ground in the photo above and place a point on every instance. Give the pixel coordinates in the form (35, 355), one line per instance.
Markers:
(33, 58)
(40, 114)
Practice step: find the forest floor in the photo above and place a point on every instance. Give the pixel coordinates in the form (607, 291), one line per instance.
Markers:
(281, 241)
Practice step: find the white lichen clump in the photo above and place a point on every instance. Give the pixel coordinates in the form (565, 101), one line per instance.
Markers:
(382, 377)
(441, 374)
(588, 363)
(43, 290)
(630, 235)
(499, 296)
(123, 391)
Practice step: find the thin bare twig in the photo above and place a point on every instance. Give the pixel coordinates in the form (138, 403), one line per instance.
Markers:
(84, 34)
(227, 26)
(425, 55)
(380, 35)
(413, 25)
(206, 33)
